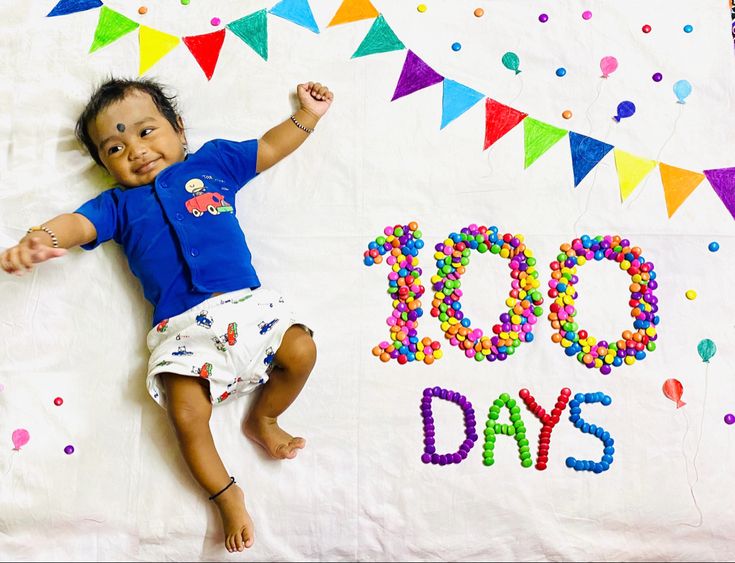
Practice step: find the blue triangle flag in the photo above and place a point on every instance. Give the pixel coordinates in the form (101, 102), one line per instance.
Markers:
(297, 11)
(586, 153)
(457, 99)
(64, 7)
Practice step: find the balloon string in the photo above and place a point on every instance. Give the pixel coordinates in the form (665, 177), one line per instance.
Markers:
(632, 200)
(696, 453)
(520, 91)
(587, 113)
(10, 466)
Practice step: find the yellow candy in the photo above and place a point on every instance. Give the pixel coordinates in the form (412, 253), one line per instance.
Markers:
(630, 360)
(581, 260)
(510, 302)
(624, 265)
(438, 354)
(453, 321)
(650, 331)
(515, 319)
(636, 278)
(691, 294)
(420, 356)
(444, 326)
(566, 343)
(504, 253)
(598, 362)
(422, 8)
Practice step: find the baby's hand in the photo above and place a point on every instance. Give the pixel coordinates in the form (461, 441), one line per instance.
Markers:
(314, 98)
(21, 257)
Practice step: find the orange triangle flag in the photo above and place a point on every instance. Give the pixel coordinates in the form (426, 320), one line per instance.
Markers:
(354, 10)
(205, 49)
(678, 185)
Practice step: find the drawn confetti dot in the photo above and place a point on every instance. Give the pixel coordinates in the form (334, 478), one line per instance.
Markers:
(479, 12)
(68, 450)
(561, 71)
(657, 77)
(688, 28)
(421, 8)
(215, 21)
(543, 18)
(456, 46)
(646, 29)
(586, 15)
(142, 10)
(566, 114)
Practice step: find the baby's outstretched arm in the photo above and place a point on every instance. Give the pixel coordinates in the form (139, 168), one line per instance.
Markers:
(69, 229)
(280, 141)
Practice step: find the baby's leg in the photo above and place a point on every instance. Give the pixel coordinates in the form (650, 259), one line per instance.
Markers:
(189, 409)
(292, 365)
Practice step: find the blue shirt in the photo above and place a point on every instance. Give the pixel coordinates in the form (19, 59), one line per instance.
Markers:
(180, 234)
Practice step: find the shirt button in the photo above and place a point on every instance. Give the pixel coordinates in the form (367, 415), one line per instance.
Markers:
(179, 217)
(194, 252)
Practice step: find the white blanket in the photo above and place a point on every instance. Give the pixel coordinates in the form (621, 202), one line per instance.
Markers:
(75, 327)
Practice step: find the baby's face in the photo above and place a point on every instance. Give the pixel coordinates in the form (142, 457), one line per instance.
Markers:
(135, 142)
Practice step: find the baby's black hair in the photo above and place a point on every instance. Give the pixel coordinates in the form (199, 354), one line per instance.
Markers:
(114, 90)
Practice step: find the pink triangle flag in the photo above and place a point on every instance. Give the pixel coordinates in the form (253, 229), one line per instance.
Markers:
(416, 75)
(723, 182)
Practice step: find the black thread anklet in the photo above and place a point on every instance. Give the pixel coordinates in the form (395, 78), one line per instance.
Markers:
(215, 495)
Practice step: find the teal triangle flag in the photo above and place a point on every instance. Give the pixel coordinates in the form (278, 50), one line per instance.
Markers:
(70, 6)
(379, 39)
(586, 153)
(457, 99)
(297, 11)
(253, 30)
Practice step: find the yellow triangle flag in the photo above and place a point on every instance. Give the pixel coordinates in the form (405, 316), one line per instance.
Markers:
(154, 45)
(354, 10)
(631, 170)
(678, 185)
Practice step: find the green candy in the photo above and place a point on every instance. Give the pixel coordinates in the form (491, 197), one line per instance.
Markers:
(528, 462)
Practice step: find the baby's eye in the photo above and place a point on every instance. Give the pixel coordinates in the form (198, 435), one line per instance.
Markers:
(113, 149)
(146, 131)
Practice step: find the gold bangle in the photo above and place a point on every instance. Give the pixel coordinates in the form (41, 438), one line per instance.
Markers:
(49, 232)
(293, 118)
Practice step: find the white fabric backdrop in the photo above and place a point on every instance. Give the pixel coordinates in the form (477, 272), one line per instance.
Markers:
(75, 328)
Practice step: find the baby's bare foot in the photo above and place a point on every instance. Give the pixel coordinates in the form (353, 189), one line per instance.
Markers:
(277, 442)
(236, 522)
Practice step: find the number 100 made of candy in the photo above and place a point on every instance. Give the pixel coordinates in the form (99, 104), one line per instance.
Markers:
(399, 248)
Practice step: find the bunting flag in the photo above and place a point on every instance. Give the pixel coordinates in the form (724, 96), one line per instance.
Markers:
(415, 75)
(296, 11)
(631, 171)
(457, 99)
(154, 45)
(253, 30)
(538, 137)
(352, 11)
(723, 182)
(379, 39)
(586, 153)
(678, 185)
(110, 27)
(499, 119)
(64, 7)
(205, 49)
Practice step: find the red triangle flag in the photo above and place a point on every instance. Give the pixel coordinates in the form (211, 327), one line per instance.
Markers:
(205, 49)
(499, 119)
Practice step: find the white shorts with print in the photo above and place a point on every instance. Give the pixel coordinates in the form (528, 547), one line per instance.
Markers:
(230, 340)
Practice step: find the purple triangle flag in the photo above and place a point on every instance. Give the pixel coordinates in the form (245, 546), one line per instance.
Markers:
(723, 182)
(416, 74)
(70, 6)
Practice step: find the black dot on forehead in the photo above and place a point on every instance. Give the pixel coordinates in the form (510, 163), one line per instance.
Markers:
(121, 127)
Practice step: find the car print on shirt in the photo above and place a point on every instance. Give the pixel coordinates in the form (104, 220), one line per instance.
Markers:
(269, 355)
(265, 327)
(204, 202)
(203, 320)
(182, 351)
(205, 371)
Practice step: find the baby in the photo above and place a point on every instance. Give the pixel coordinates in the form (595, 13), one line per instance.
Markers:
(216, 333)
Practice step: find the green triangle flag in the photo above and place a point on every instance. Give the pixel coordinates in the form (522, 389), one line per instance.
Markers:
(538, 137)
(379, 39)
(253, 30)
(110, 27)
